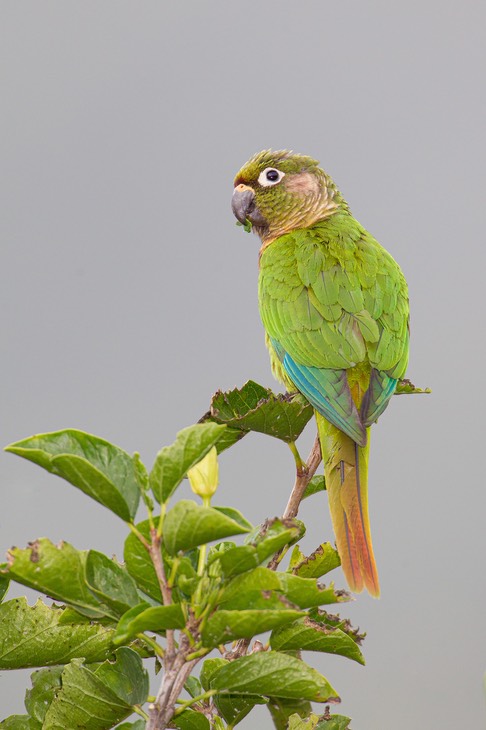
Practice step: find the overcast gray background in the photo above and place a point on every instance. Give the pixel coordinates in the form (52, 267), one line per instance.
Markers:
(129, 296)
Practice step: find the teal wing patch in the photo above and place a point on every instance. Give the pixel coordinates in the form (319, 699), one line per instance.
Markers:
(328, 392)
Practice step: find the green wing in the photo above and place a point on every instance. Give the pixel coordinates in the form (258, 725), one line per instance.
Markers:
(331, 298)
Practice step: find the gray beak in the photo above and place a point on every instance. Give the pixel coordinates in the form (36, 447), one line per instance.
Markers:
(242, 203)
(244, 206)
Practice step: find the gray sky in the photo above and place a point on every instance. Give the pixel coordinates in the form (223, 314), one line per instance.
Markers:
(129, 296)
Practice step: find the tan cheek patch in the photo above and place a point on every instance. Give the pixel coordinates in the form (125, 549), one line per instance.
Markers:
(303, 183)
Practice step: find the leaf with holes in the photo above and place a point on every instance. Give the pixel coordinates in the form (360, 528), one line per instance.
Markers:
(273, 674)
(36, 636)
(324, 559)
(45, 683)
(98, 698)
(56, 570)
(306, 634)
(254, 408)
(228, 625)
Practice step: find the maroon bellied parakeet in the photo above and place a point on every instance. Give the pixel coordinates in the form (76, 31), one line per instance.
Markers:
(334, 305)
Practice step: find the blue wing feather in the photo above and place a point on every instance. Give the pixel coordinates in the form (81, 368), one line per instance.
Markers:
(328, 392)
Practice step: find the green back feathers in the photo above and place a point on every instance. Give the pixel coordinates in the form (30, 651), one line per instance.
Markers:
(332, 299)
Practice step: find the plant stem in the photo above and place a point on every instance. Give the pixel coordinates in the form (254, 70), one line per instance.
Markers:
(138, 534)
(158, 563)
(299, 464)
(162, 710)
(140, 712)
(302, 479)
(193, 700)
(153, 644)
(173, 572)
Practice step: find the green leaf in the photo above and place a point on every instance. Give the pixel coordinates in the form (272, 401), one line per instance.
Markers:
(406, 387)
(235, 515)
(138, 562)
(84, 701)
(282, 712)
(110, 583)
(236, 592)
(324, 559)
(125, 676)
(33, 636)
(310, 635)
(306, 592)
(298, 721)
(274, 675)
(137, 725)
(187, 525)
(4, 580)
(254, 408)
(227, 625)
(209, 670)
(275, 534)
(56, 570)
(103, 471)
(186, 578)
(262, 542)
(45, 683)
(334, 621)
(19, 722)
(234, 708)
(172, 462)
(316, 484)
(148, 618)
(302, 592)
(193, 686)
(190, 720)
(230, 436)
(237, 560)
(98, 699)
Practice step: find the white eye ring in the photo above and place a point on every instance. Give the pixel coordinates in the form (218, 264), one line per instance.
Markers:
(265, 180)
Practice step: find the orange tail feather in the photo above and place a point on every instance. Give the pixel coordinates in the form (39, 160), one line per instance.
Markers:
(346, 471)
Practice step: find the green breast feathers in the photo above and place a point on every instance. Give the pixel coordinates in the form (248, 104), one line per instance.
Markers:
(331, 297)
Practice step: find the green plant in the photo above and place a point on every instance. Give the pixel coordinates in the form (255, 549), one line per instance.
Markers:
(180, 598)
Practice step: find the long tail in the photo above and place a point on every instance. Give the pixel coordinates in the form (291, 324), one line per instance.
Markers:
(346, 471)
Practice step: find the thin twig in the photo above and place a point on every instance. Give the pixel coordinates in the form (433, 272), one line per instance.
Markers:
(158, 563)
(162, 710)
(194, 700)
(302, 479)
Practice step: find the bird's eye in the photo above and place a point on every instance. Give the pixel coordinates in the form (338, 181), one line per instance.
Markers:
(270, 176)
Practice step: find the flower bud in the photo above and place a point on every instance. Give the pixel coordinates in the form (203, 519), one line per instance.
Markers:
(203, 477)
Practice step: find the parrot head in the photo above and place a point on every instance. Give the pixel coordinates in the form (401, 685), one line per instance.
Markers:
(277, 192)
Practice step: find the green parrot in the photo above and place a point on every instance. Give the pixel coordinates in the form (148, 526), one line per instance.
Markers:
(334, 305)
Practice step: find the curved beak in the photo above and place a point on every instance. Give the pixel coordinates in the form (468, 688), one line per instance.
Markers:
(244, 206)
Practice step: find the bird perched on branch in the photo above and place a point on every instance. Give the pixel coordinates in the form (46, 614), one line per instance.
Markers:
(334, 305)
